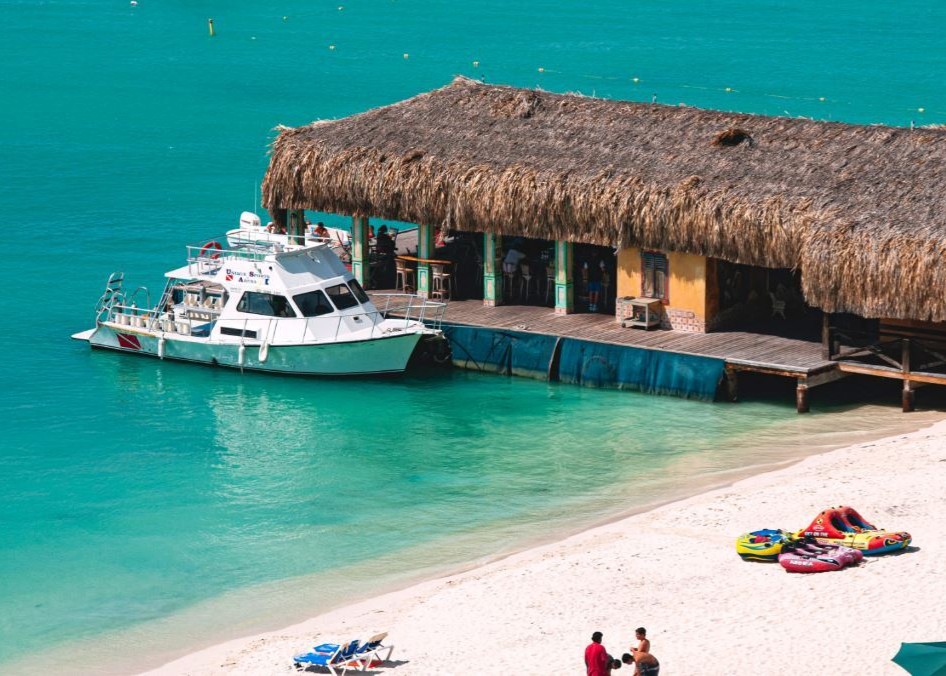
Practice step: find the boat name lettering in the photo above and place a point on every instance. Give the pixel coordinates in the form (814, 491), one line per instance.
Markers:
(249, 277)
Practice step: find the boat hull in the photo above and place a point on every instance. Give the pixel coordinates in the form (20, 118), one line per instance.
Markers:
(389, 354)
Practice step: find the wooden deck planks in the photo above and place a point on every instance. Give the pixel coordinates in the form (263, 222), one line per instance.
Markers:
(748, 350)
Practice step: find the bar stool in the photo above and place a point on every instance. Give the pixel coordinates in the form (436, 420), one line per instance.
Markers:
(509, 279)
(525, 281)
(406, 276)
(442, 282)
(478, 269)
(549, 286)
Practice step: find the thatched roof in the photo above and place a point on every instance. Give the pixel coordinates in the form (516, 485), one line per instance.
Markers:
(857, 208)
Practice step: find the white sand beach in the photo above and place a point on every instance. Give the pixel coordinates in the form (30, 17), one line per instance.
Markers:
(673, 570)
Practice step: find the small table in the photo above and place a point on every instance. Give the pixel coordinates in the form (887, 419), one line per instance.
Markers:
(644, 313)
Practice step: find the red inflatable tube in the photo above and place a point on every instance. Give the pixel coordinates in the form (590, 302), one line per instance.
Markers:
(797, 563)
(829, 524)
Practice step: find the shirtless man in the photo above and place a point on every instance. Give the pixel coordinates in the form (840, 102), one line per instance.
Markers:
(643, 643)
(645, 664)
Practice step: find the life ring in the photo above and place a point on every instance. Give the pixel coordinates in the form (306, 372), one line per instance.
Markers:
(209, 246)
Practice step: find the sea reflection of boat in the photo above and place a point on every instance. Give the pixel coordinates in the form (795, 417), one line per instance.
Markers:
(266, 304)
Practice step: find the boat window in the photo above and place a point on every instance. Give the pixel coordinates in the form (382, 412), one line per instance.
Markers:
(241, 333)
(341, 296)
(266, 304)
(313, 304)
(358, 291)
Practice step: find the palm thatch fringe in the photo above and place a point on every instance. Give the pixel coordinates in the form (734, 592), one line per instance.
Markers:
(856, 208)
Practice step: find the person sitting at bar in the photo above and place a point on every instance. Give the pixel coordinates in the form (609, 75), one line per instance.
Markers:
(320, 230)
(513, 257)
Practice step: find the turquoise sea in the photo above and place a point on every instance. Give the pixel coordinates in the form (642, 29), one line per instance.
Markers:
(148, 508)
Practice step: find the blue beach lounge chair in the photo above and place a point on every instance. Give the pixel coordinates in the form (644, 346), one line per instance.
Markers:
(336, 658)
(370, 651)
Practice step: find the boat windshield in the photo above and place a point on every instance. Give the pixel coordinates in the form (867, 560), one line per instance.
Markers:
(266, 304)
(341, 296)
(358, 291)
(313, 304)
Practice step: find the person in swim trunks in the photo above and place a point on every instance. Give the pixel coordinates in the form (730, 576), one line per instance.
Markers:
(645, 664)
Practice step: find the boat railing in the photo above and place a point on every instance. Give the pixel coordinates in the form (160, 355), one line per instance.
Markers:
(290, 330)
(314, 330)
(244, 237)
(129, 314)
(206, 259)
(412, 307)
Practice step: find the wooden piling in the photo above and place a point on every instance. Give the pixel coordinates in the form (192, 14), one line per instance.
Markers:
(801, 396)
(908, 398)
(732, 385)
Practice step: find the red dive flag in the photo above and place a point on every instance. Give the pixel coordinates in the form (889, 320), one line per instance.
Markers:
(128, 341)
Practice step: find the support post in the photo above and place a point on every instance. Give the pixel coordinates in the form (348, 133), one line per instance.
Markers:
(825, 336)
(359, 249)
(732, 385)
(801, 395)
(295, 226)
(492, 272)
(909, 395)
(425, 249)
(564, 287)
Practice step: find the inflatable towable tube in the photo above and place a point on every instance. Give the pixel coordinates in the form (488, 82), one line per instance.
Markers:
(762, 545)
(810, 556)
(807, 556)
(844, 526)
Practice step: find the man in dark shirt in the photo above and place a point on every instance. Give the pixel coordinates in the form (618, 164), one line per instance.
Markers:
(383, 243)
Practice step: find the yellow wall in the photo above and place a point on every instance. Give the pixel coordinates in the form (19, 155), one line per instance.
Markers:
(687, 283)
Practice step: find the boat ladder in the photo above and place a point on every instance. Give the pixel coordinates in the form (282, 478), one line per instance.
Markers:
(162, 304)
(111, 297)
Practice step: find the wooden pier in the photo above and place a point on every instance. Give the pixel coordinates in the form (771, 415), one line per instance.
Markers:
(800, 360)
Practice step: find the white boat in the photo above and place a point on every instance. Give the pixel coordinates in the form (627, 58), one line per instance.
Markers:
(266, 306)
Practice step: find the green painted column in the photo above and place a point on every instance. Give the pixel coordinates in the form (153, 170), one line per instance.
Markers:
(564, 286)
(425, 249)
(492, 270)
(359, 249)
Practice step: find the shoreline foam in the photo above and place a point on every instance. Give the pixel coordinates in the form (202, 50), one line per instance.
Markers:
(673, 569)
